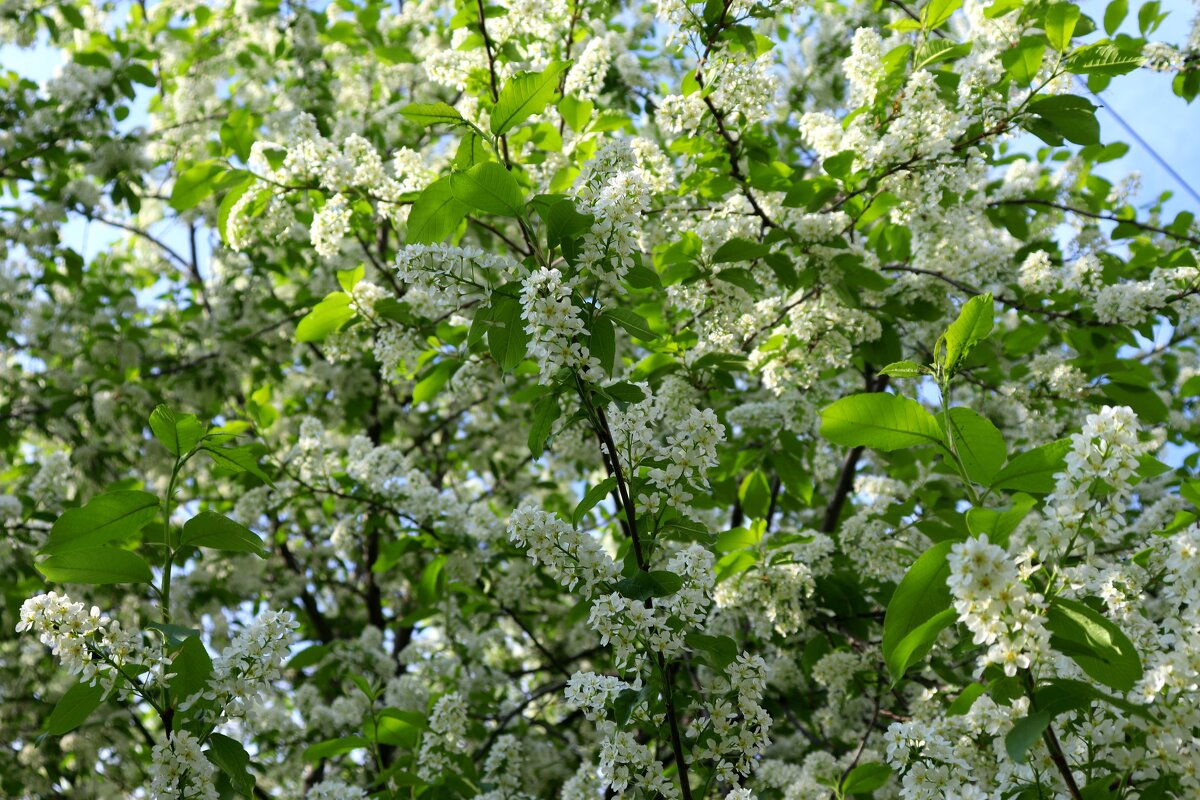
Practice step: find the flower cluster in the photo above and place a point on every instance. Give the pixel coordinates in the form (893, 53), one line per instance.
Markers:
(616, 192)
(180, 771)
(572, 557)
(676, 465)
(1096, 488)
(624, 623)
(441, 277)
(448, 731)
(734, 732)
(993, 602)
(630, 769)
(593, 694)
(555, 327)
(90, 644)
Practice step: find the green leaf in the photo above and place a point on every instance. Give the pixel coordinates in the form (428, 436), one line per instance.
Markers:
(1146, 402)
(334, 747)
(979, 444)
(73, 708)
(96, 566)
(603, 342)
(593, 496)
(545, 413)
(739, 538)
(919, 642)
(739, 250)
(1072, 117)
(917, 611)
(1149, 17)
(1093, 642)
(904, 369)
(106, 517)
(349, 278)
(175, 635)
(238, 132)
(308, 657)
(755, 495)
(1025, 733)
(966, 698)
(999, 525)
(327, 316)
(1114, 15)
(231, 757)
(934, 51)
(633, 323)
(238, 459)
(472, 150)
(432, 581)
(879, 420)
(507, 337)
(866, 778)
(623, 706)
(194, 185)
(435, 214)
(1024, 59)
(218, 532)
(1060, 25)
(526, 94)
(645, 585)
(937, 12)
(1034, 470)
(192, 667)
(743, 278)
(576, 113)
(1103, 58)
(720, 651)
(179, 434)
(625, 392)
(435, 380)
(432, 114)
(973, 325)
(1064, 695)
(75, 18)
(490, 188)
(564, 223)
(394, 727)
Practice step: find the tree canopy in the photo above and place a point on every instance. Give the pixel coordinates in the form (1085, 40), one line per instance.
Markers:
(500, 399)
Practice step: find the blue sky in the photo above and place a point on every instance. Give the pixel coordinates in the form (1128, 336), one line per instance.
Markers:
(1143, 99)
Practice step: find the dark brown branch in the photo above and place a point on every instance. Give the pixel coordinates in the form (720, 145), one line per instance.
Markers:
(541, 648)
(319, 622)
(1108, 217)
(1002, 299)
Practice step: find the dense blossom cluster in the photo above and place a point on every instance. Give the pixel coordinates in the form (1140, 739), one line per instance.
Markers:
(555, 326)
(180, 770)
(572, 556)
(1096, 489)
(91, 645)
(995, 605)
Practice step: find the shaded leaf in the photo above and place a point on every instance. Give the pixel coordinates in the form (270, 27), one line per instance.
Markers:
(96, 566)
(106, 518)
(73, 708)
(218, 532)
(921, 598)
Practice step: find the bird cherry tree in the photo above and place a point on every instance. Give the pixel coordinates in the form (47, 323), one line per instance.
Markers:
(499, 399)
